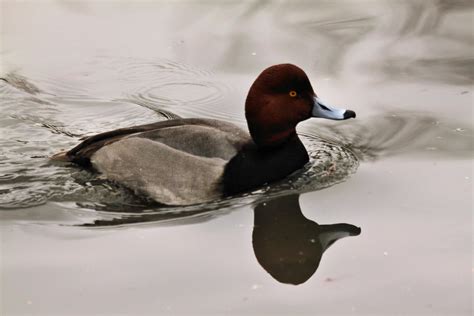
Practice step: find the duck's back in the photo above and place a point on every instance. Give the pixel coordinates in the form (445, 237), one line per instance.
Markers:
(174, 162)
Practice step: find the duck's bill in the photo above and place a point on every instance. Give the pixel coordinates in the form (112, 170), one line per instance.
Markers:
(329, 234)
(321, 109)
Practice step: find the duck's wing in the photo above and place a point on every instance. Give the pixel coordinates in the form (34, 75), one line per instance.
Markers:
(165, 174)
(178, 133)
(179, 164)
(208, 141)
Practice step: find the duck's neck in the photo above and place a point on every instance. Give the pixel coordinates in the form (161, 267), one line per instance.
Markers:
(272, 139)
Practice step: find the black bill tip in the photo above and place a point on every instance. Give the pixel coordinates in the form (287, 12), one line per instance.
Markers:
(349, 114)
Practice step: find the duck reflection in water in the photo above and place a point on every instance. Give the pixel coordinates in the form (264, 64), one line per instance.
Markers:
(288, 245)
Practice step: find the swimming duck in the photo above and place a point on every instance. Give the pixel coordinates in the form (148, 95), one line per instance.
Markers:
(188, 161)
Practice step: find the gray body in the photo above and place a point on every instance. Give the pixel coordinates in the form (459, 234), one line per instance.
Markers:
(176, 165)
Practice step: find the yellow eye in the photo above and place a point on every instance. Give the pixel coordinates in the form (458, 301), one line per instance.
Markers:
(293, 93)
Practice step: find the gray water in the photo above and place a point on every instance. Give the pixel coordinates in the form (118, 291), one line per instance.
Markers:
(396, 182)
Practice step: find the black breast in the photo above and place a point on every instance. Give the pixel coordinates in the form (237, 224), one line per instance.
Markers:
(252, 166)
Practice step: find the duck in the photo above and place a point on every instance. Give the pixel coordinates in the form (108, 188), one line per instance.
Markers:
(195, 160)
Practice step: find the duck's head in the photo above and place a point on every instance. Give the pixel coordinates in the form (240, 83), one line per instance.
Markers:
(280, 98)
